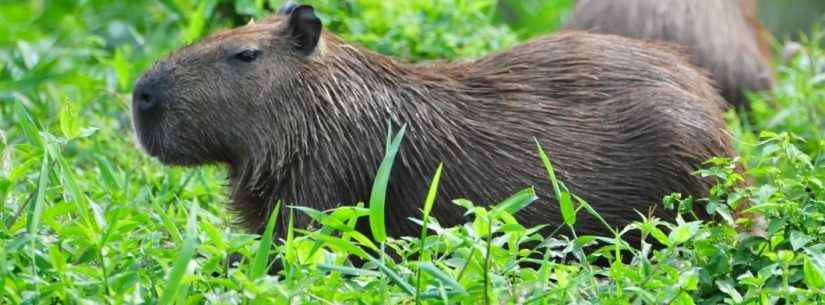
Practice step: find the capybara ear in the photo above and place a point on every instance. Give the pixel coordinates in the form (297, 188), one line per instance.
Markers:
(287, 8)
(304, 28)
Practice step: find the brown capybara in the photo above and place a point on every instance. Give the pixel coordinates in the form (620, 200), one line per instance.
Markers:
(721, 36)
(301, 116)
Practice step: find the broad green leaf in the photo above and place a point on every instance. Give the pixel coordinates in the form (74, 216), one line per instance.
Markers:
(690, 280)
(814, 277)
(799, 240)
(57, 258)
(69, 120)
(683, 232)
(728, 288)
(515, 202)
(481, 221)
(682, 299)
(363, 240)
(324, 218)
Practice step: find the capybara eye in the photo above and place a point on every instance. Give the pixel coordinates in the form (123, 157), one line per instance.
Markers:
(247, 55)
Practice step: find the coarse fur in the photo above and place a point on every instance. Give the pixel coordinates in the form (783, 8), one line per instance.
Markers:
(722, 36)
(625, 123)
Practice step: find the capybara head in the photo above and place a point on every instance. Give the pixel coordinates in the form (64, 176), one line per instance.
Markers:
(208, 102)
(300, 116)
(721, 36)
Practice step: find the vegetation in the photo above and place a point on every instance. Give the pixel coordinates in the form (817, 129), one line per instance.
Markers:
(86, 218)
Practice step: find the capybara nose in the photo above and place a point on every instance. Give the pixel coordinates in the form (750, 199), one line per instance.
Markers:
(145, 98)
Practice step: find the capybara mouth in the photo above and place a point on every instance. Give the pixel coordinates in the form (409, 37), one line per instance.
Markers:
(177, 159)
(171, 157)
(164, 151)
(147, 142)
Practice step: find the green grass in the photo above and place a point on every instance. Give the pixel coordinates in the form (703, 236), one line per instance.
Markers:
(86, 218)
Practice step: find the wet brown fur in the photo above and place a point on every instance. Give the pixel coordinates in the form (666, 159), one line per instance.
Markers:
(624, 122)
(722, 36)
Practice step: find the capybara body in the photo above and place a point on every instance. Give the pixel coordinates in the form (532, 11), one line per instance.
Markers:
(721, 36)
(300, 116)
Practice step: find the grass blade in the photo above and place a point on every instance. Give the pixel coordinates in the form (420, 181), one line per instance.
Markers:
(36, 207)
(336, 242)
(258, 267)
(428, 203)
(428, 207)
(70, 183)
(379, 188)
(36, 211)
(167, 223)
(394, 277)
(106, 173)
(187, 251)
(197, 23)
(27, 124)
(568, 213)
(289, 253)
(332, 222)
(348, 270)
(515, 203)
(442, 277)
(584, 204)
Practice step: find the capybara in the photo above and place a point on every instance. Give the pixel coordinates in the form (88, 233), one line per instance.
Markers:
(721, 36)
(301, 116)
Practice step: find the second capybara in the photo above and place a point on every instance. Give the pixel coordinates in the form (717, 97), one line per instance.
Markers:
(721, 36)
(299, 115)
